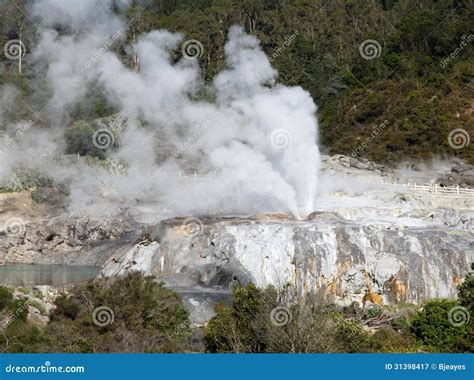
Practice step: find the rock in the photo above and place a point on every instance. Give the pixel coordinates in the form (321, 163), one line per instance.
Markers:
(36, 318)
(325, 216)
(460, 175)
(62, 240)
(340, 162)
(336, 260)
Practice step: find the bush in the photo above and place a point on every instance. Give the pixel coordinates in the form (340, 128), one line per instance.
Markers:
(350, 336)
(138, 315)
(21, 179)
(386, 339)
(433, 328)
(79, 140)
(6, 298)
(400, 323)
(220, 331)
(466, 293)
(23, 338)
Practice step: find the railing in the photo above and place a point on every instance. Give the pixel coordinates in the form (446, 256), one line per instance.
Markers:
(195, 176)
(433, 189)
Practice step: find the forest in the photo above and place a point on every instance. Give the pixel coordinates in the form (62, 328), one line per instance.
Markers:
(395, 73)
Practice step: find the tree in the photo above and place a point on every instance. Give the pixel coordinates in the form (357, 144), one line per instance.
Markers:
(435, 328)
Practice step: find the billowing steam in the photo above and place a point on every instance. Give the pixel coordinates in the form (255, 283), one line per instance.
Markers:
(253, 146)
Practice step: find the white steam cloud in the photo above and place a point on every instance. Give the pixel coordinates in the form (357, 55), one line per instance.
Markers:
(256, 141)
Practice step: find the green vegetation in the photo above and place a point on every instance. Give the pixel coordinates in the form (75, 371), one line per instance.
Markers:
(252, 324)
(434, 329)
(21, 179)
(134, 313)
(127, 314)
(257, 322)
(79, 140)
(6, 298)
(420, 83)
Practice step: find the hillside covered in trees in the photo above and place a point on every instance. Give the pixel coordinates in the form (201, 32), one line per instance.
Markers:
(392, 76)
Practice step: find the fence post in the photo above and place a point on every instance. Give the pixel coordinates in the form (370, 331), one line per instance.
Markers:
(457, 189)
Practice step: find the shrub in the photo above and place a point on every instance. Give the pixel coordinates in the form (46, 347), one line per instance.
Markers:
(350, 336)
(386, 339)
(433, 328)
(400, 323)
(22, 178)
(6, 297)
(221, 330)
(79, 140)
(466, 293)
(141, 316)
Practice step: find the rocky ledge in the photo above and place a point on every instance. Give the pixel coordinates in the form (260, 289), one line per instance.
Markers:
(335, 259)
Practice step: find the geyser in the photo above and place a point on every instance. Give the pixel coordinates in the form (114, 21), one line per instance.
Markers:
(257, 136)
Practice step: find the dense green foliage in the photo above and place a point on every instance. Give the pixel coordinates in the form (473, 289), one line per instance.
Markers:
(420, 84)
(251, 325)
(448, 326)
(258, 322)
(6, 298)
(434, 329)
(140, 316)
(143, 316)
